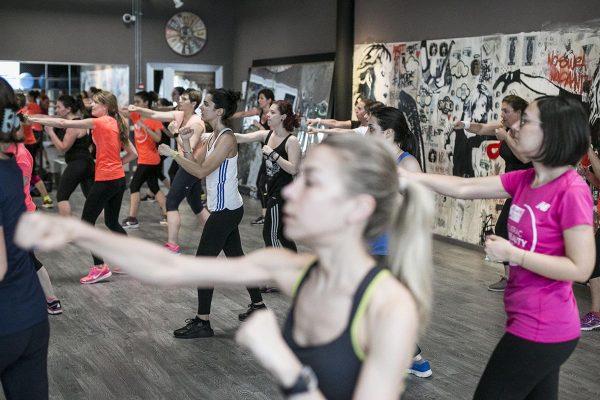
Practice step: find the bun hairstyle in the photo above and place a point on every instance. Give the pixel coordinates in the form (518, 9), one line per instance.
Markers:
(75, 105)
(225, 99)
(10, 119)
(147, 97)
(291, 120)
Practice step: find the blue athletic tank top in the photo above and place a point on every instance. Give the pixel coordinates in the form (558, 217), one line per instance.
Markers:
(336, 364)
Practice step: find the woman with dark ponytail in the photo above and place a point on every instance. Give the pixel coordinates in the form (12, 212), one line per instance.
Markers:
(75, 144)
(110, 134)
(217, 161)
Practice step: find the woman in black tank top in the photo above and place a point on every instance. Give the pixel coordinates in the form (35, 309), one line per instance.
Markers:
(352, 324)
(281, 156)
(75, 144)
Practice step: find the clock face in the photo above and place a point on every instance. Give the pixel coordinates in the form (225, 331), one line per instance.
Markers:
(185, 33)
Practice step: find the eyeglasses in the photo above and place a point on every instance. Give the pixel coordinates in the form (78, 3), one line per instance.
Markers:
(524, 120)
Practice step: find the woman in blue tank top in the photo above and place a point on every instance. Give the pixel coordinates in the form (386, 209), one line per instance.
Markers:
(341, 338)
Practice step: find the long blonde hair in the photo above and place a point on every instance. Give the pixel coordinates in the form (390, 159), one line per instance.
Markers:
(112, 106)
(370, 168)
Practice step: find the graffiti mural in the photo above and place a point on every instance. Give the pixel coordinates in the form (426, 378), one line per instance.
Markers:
(438, 82)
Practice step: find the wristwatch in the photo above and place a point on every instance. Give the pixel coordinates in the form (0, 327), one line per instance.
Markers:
(306, 382)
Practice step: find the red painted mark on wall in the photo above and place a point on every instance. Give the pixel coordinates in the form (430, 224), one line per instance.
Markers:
(493, 150)
(568, 70)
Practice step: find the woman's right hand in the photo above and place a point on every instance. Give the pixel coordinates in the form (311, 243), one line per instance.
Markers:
(312, 130)
(44, 232)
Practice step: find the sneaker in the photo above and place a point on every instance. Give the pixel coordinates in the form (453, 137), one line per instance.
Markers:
(96, 274)
(148, 198)
(590, 322)
(173, 248)
(194, 328)
(163, 221)
(47, 202)
(498, 286)
(259, 221)
(130, 223)
(251, 308)
(54, 307)
(269, 289)
(420, 368)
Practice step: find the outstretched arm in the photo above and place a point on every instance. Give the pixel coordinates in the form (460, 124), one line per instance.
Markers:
(164, 116)
(87, 123)
(329, 123)
(329, 131)
(153, 264)
(488, 187)
(477, 128)
(257, 136)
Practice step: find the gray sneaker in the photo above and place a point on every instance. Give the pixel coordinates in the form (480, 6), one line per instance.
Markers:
(498, 286)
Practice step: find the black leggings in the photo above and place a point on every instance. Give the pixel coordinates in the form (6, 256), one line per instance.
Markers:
(107, 196)
(34, 150)
(221, 233)
(522, 369)
(77, 172)
(37, 264)
(173, 171)
(24, 363)
(145, 173)
(261, 185)
(596, 272)
(502, 221)
(273, 227)
(188, 186)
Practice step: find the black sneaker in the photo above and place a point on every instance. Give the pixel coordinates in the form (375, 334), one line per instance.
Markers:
(130, 223)
(251, 308)
(148, 198)
(194, 328)
(259, 221)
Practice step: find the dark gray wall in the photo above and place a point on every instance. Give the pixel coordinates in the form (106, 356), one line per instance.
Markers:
(93, 32)
(396, 21)
(271, 29)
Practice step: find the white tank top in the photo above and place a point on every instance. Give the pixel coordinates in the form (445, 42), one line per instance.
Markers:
(222, 184)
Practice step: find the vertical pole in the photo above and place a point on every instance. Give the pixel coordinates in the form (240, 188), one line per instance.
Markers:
(344, 49)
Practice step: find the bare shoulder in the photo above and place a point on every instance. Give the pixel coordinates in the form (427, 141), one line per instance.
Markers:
(392, 300)
(411, 164)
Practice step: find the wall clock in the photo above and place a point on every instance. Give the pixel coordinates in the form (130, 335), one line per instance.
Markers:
(185, 33)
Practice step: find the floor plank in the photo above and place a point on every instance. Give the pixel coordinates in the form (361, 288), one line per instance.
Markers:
(114, 339)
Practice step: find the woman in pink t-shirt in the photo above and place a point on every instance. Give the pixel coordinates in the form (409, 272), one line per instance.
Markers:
(550, 244)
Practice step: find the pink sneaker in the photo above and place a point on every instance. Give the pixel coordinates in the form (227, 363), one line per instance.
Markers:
(96, 275)
(172, 247)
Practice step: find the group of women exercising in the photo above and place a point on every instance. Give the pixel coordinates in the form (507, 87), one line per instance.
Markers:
(361, 208)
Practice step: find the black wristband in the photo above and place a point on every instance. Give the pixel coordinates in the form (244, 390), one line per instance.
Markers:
(306, 382)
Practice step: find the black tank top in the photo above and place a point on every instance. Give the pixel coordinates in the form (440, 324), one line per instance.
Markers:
(511, 162)
(80, 149)
(336, 363)
(277, 178)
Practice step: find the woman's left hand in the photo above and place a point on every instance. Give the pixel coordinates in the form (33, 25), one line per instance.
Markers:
(497, 248)
(267, 150)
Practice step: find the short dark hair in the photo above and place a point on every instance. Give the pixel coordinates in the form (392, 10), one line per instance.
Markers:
(566, 131)
(179, 89)
(515, 102)
(268, 93)
(71, 103)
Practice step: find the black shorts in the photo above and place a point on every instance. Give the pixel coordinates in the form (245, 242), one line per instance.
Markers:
(145, 173)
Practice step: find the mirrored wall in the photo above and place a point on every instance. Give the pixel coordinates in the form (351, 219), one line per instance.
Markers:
(304, 81)
(68, 78)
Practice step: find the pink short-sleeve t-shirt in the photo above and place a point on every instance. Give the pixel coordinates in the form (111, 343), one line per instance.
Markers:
(25, 162)
(541, 309)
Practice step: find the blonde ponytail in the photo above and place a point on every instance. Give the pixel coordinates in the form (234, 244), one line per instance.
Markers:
(410, 246)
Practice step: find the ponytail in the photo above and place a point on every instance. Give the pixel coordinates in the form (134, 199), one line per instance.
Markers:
(123, 128)
(410, 246)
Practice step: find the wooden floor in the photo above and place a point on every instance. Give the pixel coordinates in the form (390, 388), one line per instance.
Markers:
(114, 340)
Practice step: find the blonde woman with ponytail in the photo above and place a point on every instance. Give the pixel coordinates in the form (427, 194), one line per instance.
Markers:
(110, 134)
(352, 327)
